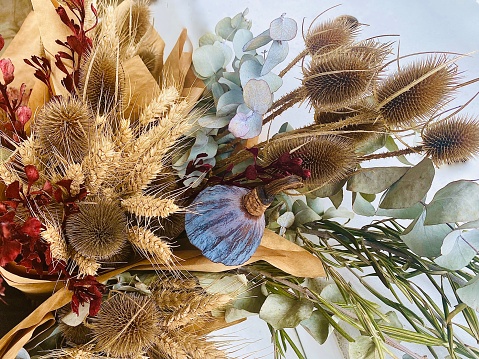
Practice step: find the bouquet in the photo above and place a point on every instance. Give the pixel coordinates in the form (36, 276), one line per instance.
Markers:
(141, 211)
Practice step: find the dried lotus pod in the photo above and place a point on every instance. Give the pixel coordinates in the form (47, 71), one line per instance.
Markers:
(227, 222)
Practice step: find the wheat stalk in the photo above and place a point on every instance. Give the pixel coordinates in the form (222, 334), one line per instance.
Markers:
(149, 206)
(53, 235)
(159, 106)
(146, 241)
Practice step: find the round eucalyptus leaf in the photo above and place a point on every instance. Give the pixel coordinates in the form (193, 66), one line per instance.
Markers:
(212, 121)
(233, 77)
(258, 41)
(362, 348)
(317, 325)
(332, 294)
(283, 29)
(303, 214)
(242, 36)
(207, 60)
(217, 90)
(362, 206)
(232, 85)
(276, 54)
(209, 39)
(224, 28)
(340, 212)
(286, 219)
(458, 249)
(227, 52)
(239, 21)
(284, 312)
(375, 180)
(251, 69)
(246, 125)
(228, 102)
(257, 95)
(469, 294)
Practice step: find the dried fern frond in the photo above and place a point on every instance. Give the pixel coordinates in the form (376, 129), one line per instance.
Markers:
(416, 91)
(126, 325)
(451, 140)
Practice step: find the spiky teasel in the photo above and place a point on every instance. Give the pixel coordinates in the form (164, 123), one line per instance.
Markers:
(416, 91)
(148, 244)
(28, 151)
(340, 78)
(65, 126)
(102, 80)
(127, 324)
(98, 230)
(80, 334)
(455, 139)
(330, 158)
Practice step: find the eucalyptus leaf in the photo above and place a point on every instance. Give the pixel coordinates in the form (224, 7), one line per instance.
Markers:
(317, 204)
(332, 294)
(392, 146)
(207, 60)
(458, 249)
(337, 198)
(276, 54)
(217, 90)
(328, 190)
(232, 77)
(425, 241)
(402, 213)
(286, 219)
(258, 41)
(22, 354)
(362, 348)
(239, 21)
(341, 212)
(257, 95)
(410, 188)
(469, 294)
(283, 29)
(242, 36)
(209, 39)
(251, 69)
(375, 180)
(233, 314)
(392, 320)
(469, 225)
(227, 52)
(222, 283)
(229, 102)
(317, 325)
(246, 125)
(224, 29)
(227, 27)
(284, 312)
(456, 202)
(303, 214)
(72, 319)
(213, 121)
(362, 206)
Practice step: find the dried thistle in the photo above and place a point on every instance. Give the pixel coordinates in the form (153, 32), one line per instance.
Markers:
(451, 140)
(330, 158)
(416, 91)
(97, 230)
(126, 325)
(64, 126)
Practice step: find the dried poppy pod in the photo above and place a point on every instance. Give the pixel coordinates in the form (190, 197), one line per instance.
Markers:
(416, 91)
(451, 140)
(331, 34)
(227, 223)
(341, 78)
(65, 126)
(330, 158)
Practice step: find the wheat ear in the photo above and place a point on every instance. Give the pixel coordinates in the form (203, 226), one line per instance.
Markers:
(147, 243)
(149, 206)
(54, 236)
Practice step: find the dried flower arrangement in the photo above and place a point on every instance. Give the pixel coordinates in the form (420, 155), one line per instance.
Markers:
(141, 213)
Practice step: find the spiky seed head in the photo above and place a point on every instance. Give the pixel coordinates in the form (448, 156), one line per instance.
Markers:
(455, 139)
(80, 334)
(127, 324)
(133, 23)
(65, 126)
(328, 157)
(340, 78)
(331, 34)
(98, 229)
(102, 80)
(415, 104)
(123, 256)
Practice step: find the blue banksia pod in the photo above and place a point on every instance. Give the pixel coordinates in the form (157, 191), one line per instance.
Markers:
(227, 222)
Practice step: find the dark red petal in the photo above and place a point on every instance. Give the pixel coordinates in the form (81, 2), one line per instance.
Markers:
(13, 191)
(32, 174)
(32, 227)
(7, 68)
(251, 173)
(9, 250)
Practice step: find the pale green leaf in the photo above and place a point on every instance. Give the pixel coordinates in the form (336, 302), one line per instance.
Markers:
(209, 39)
(362, 206)
(392, 320)
(223, 283)
(340, 212)
(283, 29)
(229, 102)
(242, 36)
(375, 180)
(317, 325)
(458, 249)
(424, 240)
(332, 294)
(456, 202)
(303, 214)
(469, 294)
(337, 198)
(233, 314)
(276, 54)
(258, 41)
(392, 146)
(328, 189)
(286, 219)
(402, 213)
(362, 348)
(251, 69)
(207, 60)
(317, 204)
(410, 188)
(227, 52)
(284, 312)
(257, 96)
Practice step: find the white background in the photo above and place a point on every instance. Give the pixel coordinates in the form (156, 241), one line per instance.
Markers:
(423, 25)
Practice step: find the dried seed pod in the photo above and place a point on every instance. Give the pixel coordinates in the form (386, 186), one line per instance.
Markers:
(330, 158)
(331, 34)
(226, 222)
(127, 324)
(451, 140)
(340, 78)
(64, 126)
(80, 334)
(102, 81)
(416, 91)
(97, 230)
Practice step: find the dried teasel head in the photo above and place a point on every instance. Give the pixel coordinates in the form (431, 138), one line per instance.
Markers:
(329, 157)
(451, 140)
(98, 229)
(132, 23)
(80, 334)
(127, 324)
(331, 34)
(416, 91)
(342, 77)
(102, 80)
(65, 126)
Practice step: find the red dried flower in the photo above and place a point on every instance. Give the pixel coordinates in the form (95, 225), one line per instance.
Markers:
(86, 290)
(7, 69)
